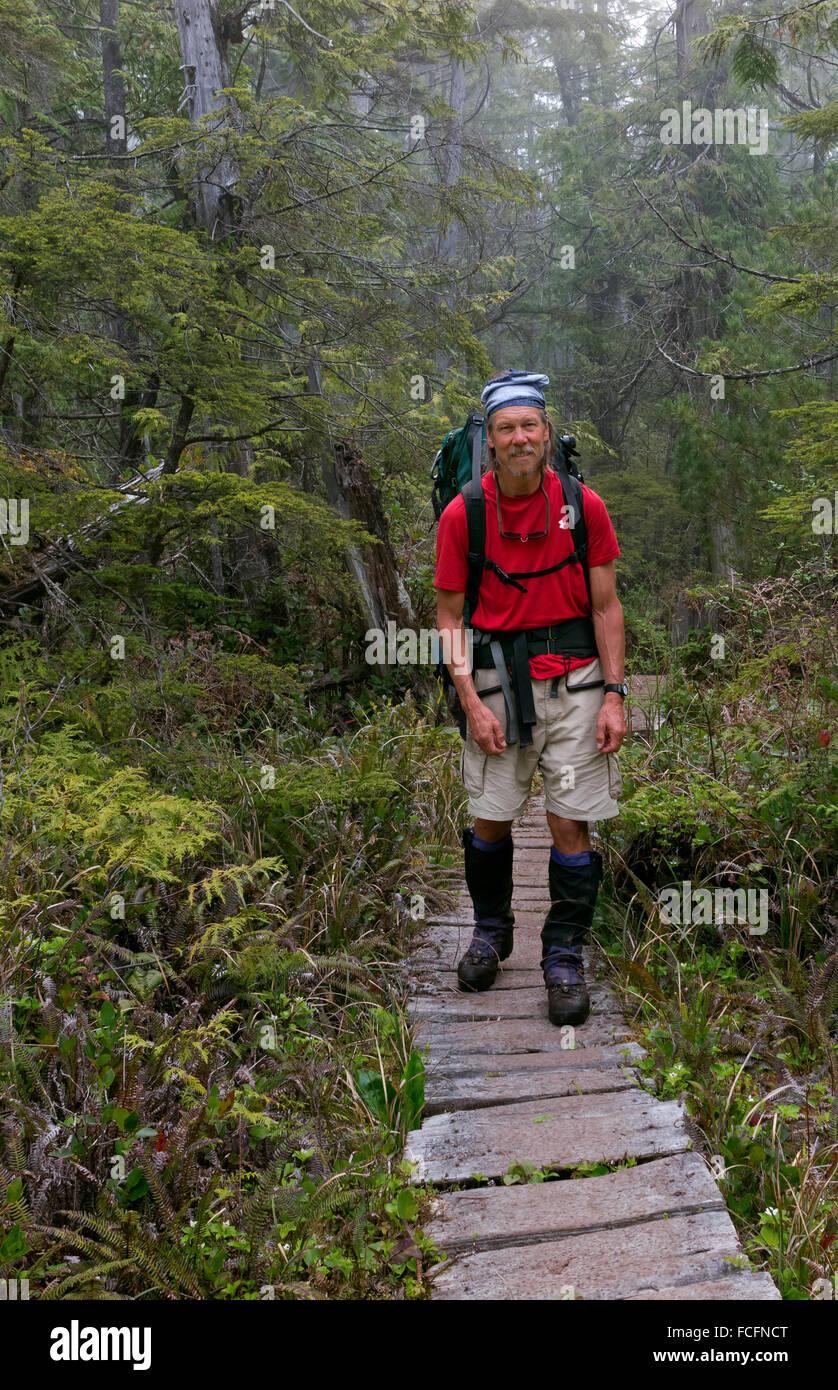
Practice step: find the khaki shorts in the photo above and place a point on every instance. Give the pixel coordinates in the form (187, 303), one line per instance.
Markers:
(579, 782)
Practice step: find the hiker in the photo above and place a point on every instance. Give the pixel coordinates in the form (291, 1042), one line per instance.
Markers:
(546, 691)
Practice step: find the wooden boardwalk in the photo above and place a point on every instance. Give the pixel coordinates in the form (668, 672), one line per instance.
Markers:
(505, 1086)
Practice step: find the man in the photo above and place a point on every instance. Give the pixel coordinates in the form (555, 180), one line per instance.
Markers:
(564, 654)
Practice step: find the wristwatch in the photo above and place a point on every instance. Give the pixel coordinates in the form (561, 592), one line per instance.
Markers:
(621, 689)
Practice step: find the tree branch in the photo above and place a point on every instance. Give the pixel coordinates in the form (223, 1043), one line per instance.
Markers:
(708, 250)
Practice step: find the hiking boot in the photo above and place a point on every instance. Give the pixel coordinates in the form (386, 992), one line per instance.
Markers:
(478, 968)
(568, 1000)
(489, 882)
(573, 894)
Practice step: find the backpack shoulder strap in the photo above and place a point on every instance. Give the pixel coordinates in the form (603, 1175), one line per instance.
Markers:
(475, 501)
(572, 491)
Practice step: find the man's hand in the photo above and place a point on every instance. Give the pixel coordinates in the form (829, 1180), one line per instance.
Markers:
(483, 726)
(485, 729)
(611, 724)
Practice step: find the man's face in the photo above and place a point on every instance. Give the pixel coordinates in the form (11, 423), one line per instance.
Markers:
(519, 439)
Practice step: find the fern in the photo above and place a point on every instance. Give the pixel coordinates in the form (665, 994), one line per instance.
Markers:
(86, 1276)
(124, 1240)
(639, 975)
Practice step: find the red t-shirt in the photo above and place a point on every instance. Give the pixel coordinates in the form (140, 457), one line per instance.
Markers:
(550, 599)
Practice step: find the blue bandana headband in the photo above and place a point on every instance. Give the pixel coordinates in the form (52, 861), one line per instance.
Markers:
(514, 388)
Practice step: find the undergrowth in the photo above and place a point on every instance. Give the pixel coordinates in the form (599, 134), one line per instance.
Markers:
(206, 1076)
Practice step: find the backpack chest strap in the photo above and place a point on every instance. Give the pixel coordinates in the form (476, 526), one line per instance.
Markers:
(577, 557)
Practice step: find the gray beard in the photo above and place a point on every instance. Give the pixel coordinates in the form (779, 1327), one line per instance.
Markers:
(519, 464)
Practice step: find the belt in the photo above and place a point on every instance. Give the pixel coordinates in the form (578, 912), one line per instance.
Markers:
(509, 653)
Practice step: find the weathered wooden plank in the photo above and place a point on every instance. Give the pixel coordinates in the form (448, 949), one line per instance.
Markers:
(448, 1006)
(452, 938)
(440, 990)
(488, 1218)
(629, 1262)
(535, 856)
(446, 950)
(531, 855)
(533, 919)
(506, 979)
(529, 913)
(427, 977)
(526, 897)
(445, 928)
(474, 1092)
(526, 956)
(464, 917)
(517, 1035)
(742, 1284)
(560, 1133)
(505, 1064)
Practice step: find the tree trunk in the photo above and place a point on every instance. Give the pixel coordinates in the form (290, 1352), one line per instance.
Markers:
(180, 432)
(205, 69)
(360, 98)
(603, 309)
(385, 596)
(454, 156)
(723, 548)
(448, 241)
(690, 21)
(112, 83)
(355, 497)
(566, 79)
(130, 448)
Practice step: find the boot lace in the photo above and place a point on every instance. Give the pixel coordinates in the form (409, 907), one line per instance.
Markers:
(564, 970)
(487, 942)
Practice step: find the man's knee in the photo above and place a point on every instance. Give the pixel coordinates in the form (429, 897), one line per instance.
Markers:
(569, 836)
(491, 830)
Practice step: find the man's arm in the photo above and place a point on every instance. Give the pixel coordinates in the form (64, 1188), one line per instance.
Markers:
(609, 628)
(609, 631)
(484, 727)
